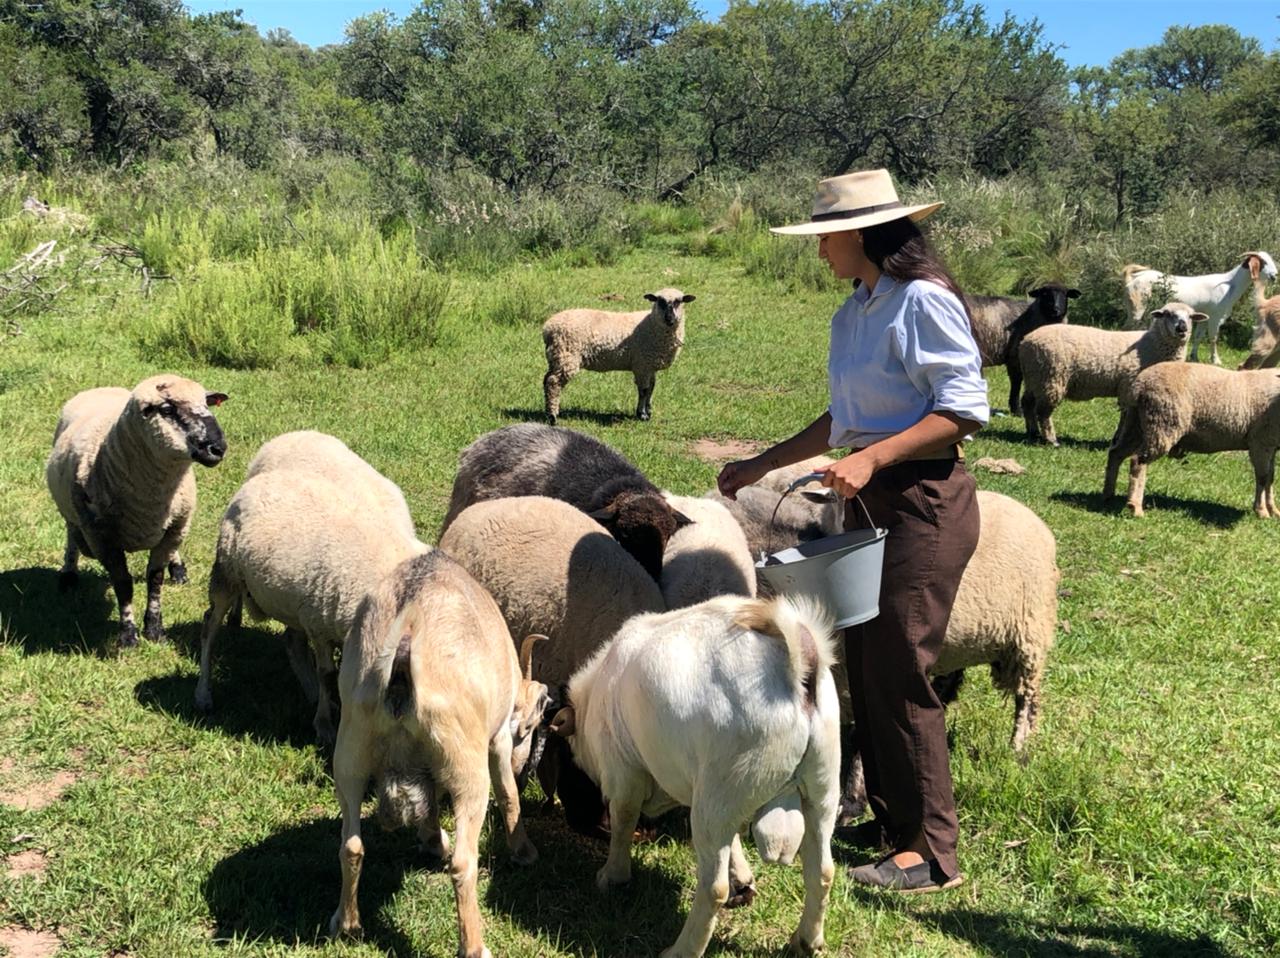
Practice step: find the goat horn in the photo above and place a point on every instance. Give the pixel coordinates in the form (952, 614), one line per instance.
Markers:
(526, 655)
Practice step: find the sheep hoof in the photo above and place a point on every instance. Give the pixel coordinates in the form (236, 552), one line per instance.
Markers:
(178, 573)
(551, 420)
(128, 636)
(153, 629)
(802, 947)
(204, 702)
(68, 579)
(741, 896)
(643, 416)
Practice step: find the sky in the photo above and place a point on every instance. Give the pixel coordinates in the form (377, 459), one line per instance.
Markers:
(1089, 32)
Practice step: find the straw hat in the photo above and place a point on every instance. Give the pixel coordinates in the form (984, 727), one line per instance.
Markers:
(853, 201)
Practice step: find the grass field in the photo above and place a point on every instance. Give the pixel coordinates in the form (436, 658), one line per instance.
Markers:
(1146, 821)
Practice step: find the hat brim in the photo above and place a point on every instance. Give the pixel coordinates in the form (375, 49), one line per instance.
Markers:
(915, 213)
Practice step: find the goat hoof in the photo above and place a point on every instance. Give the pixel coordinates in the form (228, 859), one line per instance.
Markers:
(340, 929)
(741, 896)
(204, 702)
(178, 573)
(802, 947)
(606, 880)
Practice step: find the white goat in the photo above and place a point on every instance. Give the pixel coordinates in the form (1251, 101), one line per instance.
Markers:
(722, 707)
(1213, 294)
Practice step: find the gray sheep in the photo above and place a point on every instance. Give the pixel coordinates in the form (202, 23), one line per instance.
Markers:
(601, 341)
(530, 459)
(1000, 323)
(120, 474)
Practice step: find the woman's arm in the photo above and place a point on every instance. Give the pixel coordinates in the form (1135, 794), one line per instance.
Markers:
(809, 441)
(934, 432)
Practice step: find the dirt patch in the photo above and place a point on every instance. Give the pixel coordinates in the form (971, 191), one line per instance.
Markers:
(29, 864)
(25, 943)
(722, 450)
(38, 795)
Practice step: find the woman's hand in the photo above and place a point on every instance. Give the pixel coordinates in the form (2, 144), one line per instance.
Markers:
(848, 476)
(737, 474)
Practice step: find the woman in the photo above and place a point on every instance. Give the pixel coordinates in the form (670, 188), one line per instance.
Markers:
(906, 388)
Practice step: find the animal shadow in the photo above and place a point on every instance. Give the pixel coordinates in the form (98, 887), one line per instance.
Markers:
(582, 415)
(1018, 434)
(1210, 513)
(40, 618)
(639, 918)
(285, 887)
(255, 693)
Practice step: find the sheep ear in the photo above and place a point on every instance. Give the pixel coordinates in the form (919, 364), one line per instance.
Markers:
(1038, 291)
(565, 722)
(688, 298)
(1161, 313)
(1199, 317)
(820, 497)
(606, 516)
(650, 297)
(681, 519)
(1073, 293)
(214, 399)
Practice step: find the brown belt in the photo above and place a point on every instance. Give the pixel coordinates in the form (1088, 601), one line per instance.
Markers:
(954, 451)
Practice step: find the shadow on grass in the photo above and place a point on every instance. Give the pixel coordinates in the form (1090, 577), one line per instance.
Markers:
(285, 887)
(255, 693)
(41, 619)
(1018, 434)
(1210, 513)
(582, 415)
(558, 899)
(1013, 935)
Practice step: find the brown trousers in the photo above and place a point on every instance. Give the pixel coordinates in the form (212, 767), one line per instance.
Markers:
(930, 509)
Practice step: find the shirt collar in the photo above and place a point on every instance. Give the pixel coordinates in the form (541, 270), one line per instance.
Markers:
(883, 285)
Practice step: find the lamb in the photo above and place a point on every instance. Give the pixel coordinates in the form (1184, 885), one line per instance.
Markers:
(1000, 323)
(120, 475)
(748, 715)
(317, 453)
(642, 343)
(530, 459)
(553, 571)
(1213, 294)
(292, 549)
(1080, 362)
(434, 701)
(707, 558)
(1175, 409)
(1264, 348)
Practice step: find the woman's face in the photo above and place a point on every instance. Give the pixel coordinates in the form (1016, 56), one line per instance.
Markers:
(842, 251)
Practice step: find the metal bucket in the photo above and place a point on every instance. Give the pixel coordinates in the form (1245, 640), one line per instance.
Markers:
(841, 571)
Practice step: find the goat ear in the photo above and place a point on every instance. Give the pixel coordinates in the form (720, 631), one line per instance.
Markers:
(1073, 293)
(1199, 317)
(681, 519)
(650, 297)
(688, 298)
(606, 516)
(565, 722)
(214, 399)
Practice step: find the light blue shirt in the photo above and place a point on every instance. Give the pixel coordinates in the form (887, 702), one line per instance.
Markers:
(898, 353)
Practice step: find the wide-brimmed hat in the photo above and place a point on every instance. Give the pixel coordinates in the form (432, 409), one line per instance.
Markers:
(853, 201)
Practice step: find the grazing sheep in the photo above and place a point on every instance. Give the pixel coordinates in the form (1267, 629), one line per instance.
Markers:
(602, 341)
(1264, 348)
(553, 571)
(291, 548)
(317, 453)
(723, 708)
(801, 517)
(1080, 362)
(1000, 324)
(707, 558)
(1176, 408)
(1213, 294)
(530, 459)
(120, 475)
(434, 701)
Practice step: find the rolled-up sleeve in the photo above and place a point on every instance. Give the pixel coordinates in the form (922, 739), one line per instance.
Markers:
(939, 352)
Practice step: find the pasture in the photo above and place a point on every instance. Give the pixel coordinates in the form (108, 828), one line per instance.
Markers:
(1146, 821)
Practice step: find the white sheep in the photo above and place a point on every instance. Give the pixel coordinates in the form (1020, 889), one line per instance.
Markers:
(1081, 362)
(602, 341)
(1177, 408)
(722, 708)
(433, 702)
(291, 548)
(1212, 294)
(120, 475)
(706, 558)
(320, 454)
(1264, 346)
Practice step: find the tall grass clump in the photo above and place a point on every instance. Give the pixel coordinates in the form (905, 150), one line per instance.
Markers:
(520, 297)
(306, 304)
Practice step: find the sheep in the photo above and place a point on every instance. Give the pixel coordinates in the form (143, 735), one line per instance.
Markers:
(1000, 323)
(1213, 294)
(554, 571)
(707, 558)
(530, 459)
(642, 343)
(1080, 362)
(1264, 348)
(799, 519)
(319, 454)
(120, 475)
(434, 701)
(291, 548)
(1176, 408)
(722, 707)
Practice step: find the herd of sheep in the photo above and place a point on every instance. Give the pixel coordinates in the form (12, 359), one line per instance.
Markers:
(576, 622)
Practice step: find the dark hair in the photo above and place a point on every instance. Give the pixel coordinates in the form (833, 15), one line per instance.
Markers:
(901, 252)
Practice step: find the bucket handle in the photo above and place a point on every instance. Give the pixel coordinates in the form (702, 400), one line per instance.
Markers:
(803, 481)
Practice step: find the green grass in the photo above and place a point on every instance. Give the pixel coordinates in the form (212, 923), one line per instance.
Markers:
(1145, 822)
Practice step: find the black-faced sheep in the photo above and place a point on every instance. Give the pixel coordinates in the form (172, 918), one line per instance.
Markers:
(530, 459)
(120, 474)
(1000, 323)
(641, 343)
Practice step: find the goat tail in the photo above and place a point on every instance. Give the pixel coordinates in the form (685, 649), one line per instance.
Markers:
(1130, 269)
(804, 627)
(398, 697)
